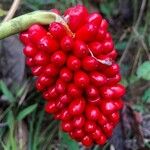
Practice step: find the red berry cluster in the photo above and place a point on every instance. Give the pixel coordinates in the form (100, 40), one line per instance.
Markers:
(77, 74)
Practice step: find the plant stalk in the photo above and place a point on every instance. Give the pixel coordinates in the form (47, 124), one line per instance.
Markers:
(23, 22)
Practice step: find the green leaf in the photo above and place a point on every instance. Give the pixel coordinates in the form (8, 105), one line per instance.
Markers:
(7, 93)
(143, 70)
(105, 9)
(124, 82)
(66, 140)
(146, 96)
(26, 112)
(133, 79)
(121, 45)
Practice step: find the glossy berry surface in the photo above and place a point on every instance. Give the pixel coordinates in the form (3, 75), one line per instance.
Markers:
(76, 73)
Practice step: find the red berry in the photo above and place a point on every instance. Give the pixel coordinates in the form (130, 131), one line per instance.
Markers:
(92, 112)
(65, 115)
(98, 79)
(107, 92)
(74, 91)
(29, 51)
(119, 104)
(78, 121)
(94, 18)
(113, 54)
(90, 126)
(60, 86)
(48, 44)
(51, 93)
(89, 63)
(87, 32)
(92, 91)
(57, 30)
(64, 98)
(59, 105)
(97, 134)
(24, 38)
(112, 70)
(36, 32)
(100, 35)
(66, 75)
(114, 80)
(118, 90)
(77, 106)
(107, 47)
(102, 140)
(102, 120)
(96, 48)
(58, 58)
(41, 59)
(37, 70)
(67, 43)
(104, 24)
(114, 117)
(87, 140)
(108, 129)
(78, 134)
(50, 107)
(81, 79)
(30, 62)
(50, 70)
(45, 81)
(94, 100)
(73, 63)
(76, 16)
(107, 107)
(80, 49)
(66, 126)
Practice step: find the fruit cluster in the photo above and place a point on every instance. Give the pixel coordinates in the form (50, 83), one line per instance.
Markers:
(77, 73)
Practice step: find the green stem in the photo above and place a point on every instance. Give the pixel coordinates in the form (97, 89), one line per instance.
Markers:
(23, 22)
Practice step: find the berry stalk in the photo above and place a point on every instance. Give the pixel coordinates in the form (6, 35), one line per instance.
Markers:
(23, 22)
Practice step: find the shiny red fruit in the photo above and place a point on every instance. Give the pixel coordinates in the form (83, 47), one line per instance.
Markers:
(80, 49)
(92, 112)
(58, 58)
(100, 34)
(97, 134)
(66, 75)
(66, 126)
(64, 98)
(87, 32)
(102, 140)
(108, 129)
(94, 18)
(113, 54)
(48, 44)
(78, 121)
(119, 104)
(87, 141)
(113, 80)
(107, 107)
(45, 81)
(50, 107)
(89, 63)
(73, 63)
(98, 79)
(76, 16)
(114, 117)
(90, 126)
(65, 115)
(57, 30)
(102, 120)
(81, 79)
(37, 70)
(60, 86)
(41, 59)
(77, 106)
(50, 70)
(92, 91)
(51, 93)
(107, 92)
(78, 134)
(67, 43)
(36, 33)
(24, 38)
(96, 48)
(108, 46)
(104, 24)
(59, 105)
(74, 91)
(30, 62)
